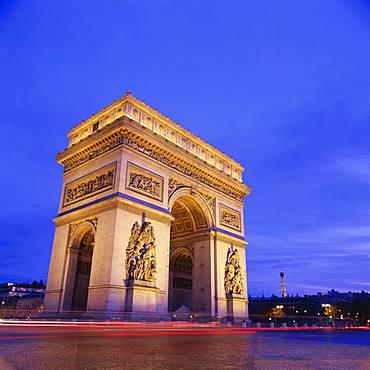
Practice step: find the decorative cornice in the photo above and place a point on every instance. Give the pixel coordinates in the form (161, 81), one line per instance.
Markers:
(126, 138)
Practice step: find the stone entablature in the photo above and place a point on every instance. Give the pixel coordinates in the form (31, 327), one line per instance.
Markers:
(121, 134)
(147, 117)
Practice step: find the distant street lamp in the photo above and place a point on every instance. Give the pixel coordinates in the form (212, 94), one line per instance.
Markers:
(326, 306)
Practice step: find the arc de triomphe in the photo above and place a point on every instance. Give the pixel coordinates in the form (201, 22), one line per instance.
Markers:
(150, 221)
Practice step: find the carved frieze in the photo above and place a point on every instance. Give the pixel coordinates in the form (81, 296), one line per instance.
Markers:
(126, 140)
(141, 260)
(90, 185)
(144, 182)
(230, 217)
(233, 281)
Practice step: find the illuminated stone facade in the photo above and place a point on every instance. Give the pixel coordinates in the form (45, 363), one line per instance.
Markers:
(150, 221)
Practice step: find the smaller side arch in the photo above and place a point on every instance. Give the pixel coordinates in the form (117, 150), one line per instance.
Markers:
(78, 265)
(79, 231)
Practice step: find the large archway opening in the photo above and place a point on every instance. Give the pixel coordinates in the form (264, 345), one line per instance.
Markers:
(189, 268)
(83, 272)
(181, 280)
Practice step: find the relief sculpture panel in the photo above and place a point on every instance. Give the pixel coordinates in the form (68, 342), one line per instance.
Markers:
(233, 273)
(89, 185)
(230, 217)
(141, 261)
(144, 182)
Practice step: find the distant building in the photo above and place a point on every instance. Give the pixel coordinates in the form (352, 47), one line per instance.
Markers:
(10, 292)
(320, 308)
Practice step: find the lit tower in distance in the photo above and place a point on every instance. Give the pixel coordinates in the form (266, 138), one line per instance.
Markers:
(283, 289)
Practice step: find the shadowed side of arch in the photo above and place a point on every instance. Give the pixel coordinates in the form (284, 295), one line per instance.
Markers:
(180, 279)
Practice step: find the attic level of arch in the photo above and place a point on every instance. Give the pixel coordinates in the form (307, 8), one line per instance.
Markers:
(123, 135)
(162, 126)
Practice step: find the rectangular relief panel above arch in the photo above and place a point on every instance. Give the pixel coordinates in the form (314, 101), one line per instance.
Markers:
(90, 185)
(230, 218)
(145, 182)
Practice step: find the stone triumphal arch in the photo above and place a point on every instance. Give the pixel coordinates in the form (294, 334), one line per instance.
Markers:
(150, 222)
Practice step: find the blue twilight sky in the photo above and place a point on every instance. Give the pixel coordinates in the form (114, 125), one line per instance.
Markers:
(282, 86)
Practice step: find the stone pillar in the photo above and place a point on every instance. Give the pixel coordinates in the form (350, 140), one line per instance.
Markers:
(141, 301)
(70, 274)
(232, 307)
(54, 290)
(202, 278)
(237, 308)
(106, 290)
(145, 299)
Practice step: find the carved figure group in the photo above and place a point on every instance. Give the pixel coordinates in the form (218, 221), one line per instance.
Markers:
(140, 253)
(233, 273)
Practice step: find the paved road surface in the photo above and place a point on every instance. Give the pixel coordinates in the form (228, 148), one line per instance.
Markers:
(145, 346)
